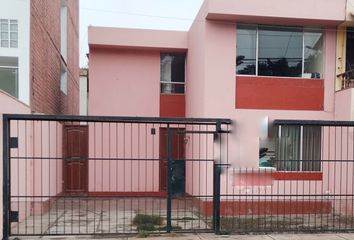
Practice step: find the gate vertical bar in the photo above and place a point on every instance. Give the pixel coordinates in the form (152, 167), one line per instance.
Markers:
(6, 177)
(217, 173)
(169, 175)
(216, 205)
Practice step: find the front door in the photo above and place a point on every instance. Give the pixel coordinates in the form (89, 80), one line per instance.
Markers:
(75, 159)
(178, 161)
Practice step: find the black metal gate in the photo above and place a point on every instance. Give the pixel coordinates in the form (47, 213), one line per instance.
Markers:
(92, 175)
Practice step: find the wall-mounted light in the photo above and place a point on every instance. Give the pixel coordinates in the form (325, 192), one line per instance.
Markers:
(153, 131)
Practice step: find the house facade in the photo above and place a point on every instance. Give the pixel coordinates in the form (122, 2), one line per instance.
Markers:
(39, 54)
(250, 64)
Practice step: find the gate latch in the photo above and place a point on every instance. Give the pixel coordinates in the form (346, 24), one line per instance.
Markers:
(13, 142)
(13, 216)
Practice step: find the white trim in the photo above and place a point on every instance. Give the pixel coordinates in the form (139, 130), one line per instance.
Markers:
(10, 67)
(181, 83)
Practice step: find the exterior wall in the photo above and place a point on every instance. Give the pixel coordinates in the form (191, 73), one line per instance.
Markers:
(8, 105)
(131, 88)
(19, 10)
(124, 83)
(46, 59)
(32, 176)
(212, 87)
(254, 92)
(195, 68)
(137, 38)
(288, 11)
(344, 99)
(121, 150)
(172, 105)
(215, 90)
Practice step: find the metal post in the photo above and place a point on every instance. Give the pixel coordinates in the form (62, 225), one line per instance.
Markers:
(216, 205)
(169, 175)
(217, 174)
(6, 178)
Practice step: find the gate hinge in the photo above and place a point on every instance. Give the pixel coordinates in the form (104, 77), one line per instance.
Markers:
(13, 142)
(13, 216)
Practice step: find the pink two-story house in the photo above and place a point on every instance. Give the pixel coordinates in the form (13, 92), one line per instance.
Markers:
(250, 61)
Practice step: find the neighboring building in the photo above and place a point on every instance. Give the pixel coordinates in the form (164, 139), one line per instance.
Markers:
(83, 90)
(39, 51)
(39, 61)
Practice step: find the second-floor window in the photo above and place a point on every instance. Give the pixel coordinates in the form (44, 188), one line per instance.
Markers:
(279, 51)
(8, 33)
(172, 73)
(9, 75)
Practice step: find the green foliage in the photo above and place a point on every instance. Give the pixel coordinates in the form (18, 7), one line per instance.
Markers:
(146, 227)
(146, 219)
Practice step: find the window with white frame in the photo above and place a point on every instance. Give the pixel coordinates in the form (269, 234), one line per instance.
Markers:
(172, 73)
(63, 28)
(63, 79)
(8, 33)
(9, 75)
(298, 148)
(279, 51)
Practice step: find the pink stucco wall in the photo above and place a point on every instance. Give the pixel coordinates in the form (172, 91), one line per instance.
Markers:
(137, 39)
(124, 82)
(301, 12)
(8, 105)
(31, 176)
(211, 84)
(343, 100)
(210, 80)
(124, 158)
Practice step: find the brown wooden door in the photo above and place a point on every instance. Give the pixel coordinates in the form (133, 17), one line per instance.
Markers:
(177, 152)
(75, 159)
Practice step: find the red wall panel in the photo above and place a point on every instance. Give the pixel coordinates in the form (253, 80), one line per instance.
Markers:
(172, 105)
(279, 93)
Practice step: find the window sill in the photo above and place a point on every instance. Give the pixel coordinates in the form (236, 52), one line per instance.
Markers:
(259, 76)
(310, 176)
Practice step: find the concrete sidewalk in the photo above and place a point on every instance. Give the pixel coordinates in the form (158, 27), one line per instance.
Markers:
(210, 236)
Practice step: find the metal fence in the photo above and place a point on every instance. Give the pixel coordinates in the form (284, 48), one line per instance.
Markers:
(72, 175)
(75, 175)
(305, 182)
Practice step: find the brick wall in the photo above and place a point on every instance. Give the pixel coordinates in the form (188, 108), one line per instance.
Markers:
(45, 58)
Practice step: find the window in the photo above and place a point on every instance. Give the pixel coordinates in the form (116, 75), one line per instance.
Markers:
(298, 148)
(279, 51)
(8, 33)
(9, 75)
(349, 58)
(63, 28)
(172, 73)
(63, 79)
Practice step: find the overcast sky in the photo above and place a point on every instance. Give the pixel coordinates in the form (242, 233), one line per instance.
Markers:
(150, 14)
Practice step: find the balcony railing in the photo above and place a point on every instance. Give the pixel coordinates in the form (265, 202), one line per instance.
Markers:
(347, 79)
